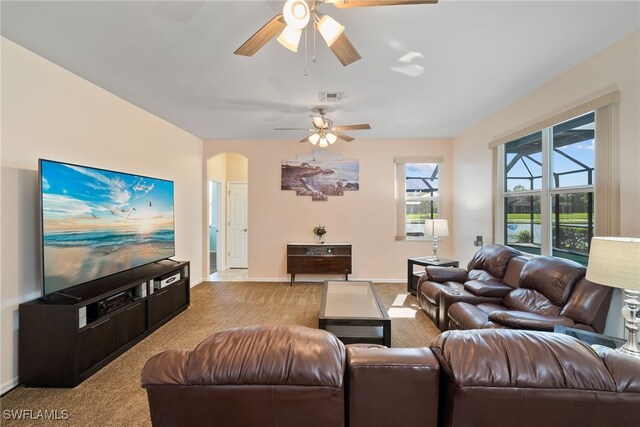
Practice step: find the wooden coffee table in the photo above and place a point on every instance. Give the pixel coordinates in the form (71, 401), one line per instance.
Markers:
(354, 313)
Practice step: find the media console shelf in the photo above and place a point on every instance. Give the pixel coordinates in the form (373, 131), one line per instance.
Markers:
(318, 258)
(63, 341)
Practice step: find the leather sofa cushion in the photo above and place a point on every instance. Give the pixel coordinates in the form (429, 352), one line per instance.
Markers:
(483, 276)
(530, 300)
(492, 258)
(484, 289)
(512, 273)
(490, 308)
(268, 355)
(524, 320)
(585, 300)
(463, 315)
(446, 274)
(523, 359)
(553, 277)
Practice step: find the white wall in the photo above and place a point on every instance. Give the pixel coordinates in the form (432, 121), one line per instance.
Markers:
(366, 218)
(620, 65)
(48, 112)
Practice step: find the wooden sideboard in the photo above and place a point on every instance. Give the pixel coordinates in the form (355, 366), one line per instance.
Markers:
(316, 258)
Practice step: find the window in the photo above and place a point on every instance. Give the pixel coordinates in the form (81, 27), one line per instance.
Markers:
(548, 189)
(417, 194)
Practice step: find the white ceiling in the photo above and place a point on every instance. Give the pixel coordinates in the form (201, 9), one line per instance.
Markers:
(175, 59)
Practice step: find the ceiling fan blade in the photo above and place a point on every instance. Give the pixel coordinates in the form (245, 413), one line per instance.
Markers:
(346, 4)
(344, 50)
(319, 122)
(343, 137)
(309, 130)
(262, 36)
(352, 127)
(305, 139)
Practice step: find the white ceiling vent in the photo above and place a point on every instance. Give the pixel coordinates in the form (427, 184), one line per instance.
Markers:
(330, 96)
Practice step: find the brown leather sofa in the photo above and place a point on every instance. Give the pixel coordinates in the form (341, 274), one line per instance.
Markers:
(512, 378)
(492, 273)
(506, 290)
(283, 375)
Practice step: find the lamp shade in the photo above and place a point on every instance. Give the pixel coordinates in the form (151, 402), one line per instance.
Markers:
(330, 29)
(290, 38)
(296, 13)
(314, 138)
(615, 261)
(436, 228)
(331, 138)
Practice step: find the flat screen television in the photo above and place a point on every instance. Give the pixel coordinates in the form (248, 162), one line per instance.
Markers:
(98, 222)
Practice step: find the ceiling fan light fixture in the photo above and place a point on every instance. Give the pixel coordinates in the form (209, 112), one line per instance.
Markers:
(296, 13)
(330, 29)
(331, 138)
(323, 142)
(314, 138)
(290, 38)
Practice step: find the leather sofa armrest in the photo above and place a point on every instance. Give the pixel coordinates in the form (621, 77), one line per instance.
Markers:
(381, 381)
(446, 274)
(484, 289)
(624, 370)
(526, 320)
(166, 368)
(448, 298)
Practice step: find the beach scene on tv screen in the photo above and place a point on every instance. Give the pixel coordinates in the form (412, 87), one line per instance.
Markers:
(97, 223)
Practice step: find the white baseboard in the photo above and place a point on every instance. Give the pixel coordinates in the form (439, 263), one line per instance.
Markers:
(316, 280)
(9, 385)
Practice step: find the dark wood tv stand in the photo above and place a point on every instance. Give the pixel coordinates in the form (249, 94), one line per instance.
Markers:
(63, 341)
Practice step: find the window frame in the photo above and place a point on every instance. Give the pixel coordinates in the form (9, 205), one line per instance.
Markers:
(546, 192)
(400, 194)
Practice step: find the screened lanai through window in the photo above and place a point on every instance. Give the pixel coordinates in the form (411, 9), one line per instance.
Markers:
(421, 196)
(569, 190)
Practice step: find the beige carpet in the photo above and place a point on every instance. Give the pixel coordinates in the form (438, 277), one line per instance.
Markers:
(113, 397)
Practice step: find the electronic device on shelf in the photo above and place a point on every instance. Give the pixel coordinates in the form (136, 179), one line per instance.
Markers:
(110, 304)
(166, 280)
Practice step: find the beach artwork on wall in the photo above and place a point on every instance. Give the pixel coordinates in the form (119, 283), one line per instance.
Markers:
(320, 175)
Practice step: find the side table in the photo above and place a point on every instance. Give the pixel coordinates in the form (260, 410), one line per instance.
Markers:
(412, 279)
(590, 338)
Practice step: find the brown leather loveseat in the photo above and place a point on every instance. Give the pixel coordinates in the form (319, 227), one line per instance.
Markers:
(505, 290)
(284, 375)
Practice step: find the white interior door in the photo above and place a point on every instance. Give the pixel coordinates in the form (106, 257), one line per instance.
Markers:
(237, 221)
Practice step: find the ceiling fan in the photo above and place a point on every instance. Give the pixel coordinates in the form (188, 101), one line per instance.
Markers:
(300, 14)
(324, 132)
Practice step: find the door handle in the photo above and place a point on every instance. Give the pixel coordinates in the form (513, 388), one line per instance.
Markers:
(245, 230)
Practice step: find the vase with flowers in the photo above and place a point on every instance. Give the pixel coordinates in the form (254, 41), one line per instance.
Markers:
(319, 231)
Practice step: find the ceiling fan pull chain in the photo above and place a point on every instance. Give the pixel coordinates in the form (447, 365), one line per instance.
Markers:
(306, 54)
(315, 28)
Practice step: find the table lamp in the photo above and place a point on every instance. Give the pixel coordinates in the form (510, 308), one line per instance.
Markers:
(615, 261)
(436, 228)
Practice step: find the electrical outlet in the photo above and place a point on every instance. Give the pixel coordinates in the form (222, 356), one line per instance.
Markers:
(478, 241)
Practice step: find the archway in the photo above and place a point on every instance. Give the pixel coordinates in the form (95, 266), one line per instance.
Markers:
(226, 232)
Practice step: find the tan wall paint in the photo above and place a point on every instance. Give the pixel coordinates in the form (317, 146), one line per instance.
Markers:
(51, 113)
(217, 168)
(620, 65)
(237, 167)
(365, 218)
